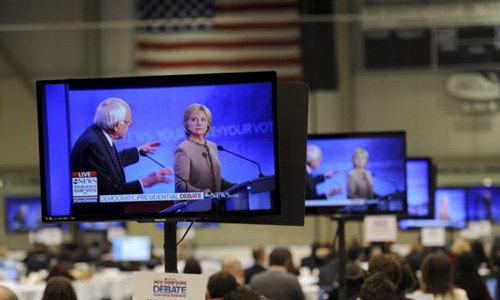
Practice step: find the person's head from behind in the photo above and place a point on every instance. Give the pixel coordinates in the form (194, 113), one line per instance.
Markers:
(233, 267)
(377, 287)
(436, 274)
(192, 266)
(360, 158)
(221, 283)
(466, 263)
(7, 294)
(259, 254)
(459, 246)
(59, 288)
(242, 293)
(114, 116)
(197, 120)
(388, 265)
(355, 276)
(279, 257)
(314, 156)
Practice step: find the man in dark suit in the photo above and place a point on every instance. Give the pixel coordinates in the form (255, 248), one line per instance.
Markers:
(314, 157)
(259, 256)
(95, 151)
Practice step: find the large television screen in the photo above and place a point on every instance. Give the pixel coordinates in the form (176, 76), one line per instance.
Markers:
(23, 214)
(483, 203)
(188, 146)
(131, 248)
(420, 188)
(450, 211)
(356, 173)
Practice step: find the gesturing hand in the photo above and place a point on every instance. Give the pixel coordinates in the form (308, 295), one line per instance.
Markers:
(150, 147)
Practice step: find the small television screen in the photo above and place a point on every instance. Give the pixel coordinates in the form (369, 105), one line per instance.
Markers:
(23, 214)
(186, 146)
(131, 248)
(483, 203)
(99, 226)
(356, 173)
(420, 188)
(492, 285)
(161, 225)
(450, 210)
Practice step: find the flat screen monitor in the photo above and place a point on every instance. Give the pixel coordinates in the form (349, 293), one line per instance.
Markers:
(483, 203)
(160, 225)
(131, 248)
(99, 226)
(108, 147)
(23, 214)
(450, 211)
(356, 173)
(420, 188)
(492, 285)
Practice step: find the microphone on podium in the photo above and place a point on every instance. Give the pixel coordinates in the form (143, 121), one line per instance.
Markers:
(144, 153)
(220, 148)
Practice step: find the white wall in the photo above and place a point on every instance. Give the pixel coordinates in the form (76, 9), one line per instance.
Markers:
(418, 103)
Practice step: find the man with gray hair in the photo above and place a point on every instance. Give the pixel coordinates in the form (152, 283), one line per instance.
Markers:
(314, 157)
(95, 151)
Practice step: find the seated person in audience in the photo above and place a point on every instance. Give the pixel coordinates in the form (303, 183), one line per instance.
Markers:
(192, 266)
(378, 287)
(219, 284)
(436, 279)
(7, 294)
(312, 261)
(59, 288)
(243, 293)
(354, 279)
(466, 276)
(391, 268)
(290, 266)
(277, 282)
(259, 257)
(233, 267)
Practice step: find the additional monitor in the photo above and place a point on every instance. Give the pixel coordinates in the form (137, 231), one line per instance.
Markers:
(131, 248)
(450, 207)
(160, 225)
(23, 214)
(492, 285)
(420, 188)
(356, 173)
(235, 173)
(483, 203)
(99, 226)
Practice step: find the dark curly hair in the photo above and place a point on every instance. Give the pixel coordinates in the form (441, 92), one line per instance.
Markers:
(378, 287)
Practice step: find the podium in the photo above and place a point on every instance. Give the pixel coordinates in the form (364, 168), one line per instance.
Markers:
(253, 194)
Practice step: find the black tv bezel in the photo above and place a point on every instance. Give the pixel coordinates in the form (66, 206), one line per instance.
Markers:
(149, 82)
(411, 228)
(367, 134)
(468, 203)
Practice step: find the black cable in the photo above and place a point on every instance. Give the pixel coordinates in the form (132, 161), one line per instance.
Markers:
(185, 233)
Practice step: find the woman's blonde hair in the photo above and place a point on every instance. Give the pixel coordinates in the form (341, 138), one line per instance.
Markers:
(192, 109)
(360, 152)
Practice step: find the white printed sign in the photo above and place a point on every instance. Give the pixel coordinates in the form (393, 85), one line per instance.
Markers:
(158, 286)
(433, 236)
(47, 236)
(380, 228)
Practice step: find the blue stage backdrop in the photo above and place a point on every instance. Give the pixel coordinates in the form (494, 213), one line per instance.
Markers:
(417, 173)
(477, 204)
(386, 162)
(242, 121)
